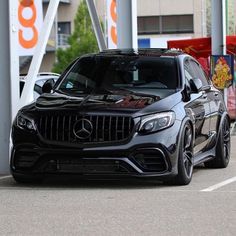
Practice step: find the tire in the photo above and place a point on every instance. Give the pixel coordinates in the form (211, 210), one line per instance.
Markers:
(222, 154)
(185, 158)
(26, 179)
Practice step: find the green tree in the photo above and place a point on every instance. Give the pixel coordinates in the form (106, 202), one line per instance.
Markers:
(81, 41)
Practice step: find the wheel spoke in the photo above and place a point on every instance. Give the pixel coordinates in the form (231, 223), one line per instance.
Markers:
(226, 136)
(188, 164)
(187, 138)
(226, 150)
(188, 157)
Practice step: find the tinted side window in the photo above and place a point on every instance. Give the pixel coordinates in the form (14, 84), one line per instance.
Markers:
(198, 72)
(188, 73)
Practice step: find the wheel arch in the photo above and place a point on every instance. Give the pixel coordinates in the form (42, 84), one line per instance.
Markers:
(223, 116)
(184, 121)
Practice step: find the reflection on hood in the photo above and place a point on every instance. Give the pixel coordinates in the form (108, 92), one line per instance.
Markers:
(133, 101)
(112, 101)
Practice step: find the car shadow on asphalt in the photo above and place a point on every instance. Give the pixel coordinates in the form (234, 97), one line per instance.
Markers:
(74, 182)
(78, 182)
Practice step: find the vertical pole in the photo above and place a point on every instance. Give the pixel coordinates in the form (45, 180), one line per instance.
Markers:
(127, 24)
(14, 58)
(56, 35)
(96, 25)
(39, 52)
(5, 88)
(218, 30)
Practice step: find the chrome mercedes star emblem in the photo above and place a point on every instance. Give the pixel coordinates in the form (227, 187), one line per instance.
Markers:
(83, 128)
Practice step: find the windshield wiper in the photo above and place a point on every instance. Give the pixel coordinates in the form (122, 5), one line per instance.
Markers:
(130, 92)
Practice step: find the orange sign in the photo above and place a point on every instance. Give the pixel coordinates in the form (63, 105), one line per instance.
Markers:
(112, 23)
(30, 21)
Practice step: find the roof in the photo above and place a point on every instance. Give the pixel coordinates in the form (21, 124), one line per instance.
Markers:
(142, 52)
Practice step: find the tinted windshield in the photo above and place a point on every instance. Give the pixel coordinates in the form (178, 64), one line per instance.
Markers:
(121, 72)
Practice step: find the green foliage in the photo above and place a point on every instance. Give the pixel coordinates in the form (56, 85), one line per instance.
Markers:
(81, 41)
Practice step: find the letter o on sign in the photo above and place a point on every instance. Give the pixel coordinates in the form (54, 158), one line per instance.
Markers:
(27, 24)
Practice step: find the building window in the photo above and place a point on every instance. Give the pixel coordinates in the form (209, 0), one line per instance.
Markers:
(177, 24)
(148, 24)
(64, 31)
(64, 27)
(174, 24)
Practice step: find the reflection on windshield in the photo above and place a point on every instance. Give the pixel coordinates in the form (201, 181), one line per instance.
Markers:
(104, 75)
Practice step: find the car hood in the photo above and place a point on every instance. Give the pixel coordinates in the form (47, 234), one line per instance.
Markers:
(138, 104)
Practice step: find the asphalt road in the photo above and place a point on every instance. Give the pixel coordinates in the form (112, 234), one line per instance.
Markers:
(67, 207)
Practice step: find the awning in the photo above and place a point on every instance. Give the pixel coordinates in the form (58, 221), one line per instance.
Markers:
(201, 47)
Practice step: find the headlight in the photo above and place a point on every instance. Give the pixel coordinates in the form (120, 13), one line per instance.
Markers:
(24, 122)
(156, 122)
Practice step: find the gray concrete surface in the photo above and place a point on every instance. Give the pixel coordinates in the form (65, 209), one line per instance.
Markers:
(69, 207)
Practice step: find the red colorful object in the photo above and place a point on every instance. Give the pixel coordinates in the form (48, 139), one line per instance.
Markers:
(201, 47)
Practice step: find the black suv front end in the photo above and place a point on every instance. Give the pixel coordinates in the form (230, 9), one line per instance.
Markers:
(111, 114)
(49, 144)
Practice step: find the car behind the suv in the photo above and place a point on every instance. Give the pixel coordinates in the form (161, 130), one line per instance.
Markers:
(40, 80)
(145, 113)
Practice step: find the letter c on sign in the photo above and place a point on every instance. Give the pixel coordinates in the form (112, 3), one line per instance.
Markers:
(27, 23)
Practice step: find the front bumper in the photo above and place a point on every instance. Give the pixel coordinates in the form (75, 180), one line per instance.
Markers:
(153, 155)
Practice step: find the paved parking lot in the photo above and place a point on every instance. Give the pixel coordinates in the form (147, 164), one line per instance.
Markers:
(70, 207)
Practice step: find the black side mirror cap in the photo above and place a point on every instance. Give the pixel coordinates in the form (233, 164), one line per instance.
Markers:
(47, 86)
(196, 85)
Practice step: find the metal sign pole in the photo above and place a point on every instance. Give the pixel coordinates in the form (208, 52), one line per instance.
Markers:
(219, 31)
(127, 24)
(5, 88)
(96, 25)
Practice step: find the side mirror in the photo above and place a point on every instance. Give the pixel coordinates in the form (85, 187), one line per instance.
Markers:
(47, 86)
(196, 85)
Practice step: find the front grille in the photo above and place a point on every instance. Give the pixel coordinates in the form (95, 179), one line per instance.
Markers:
(61, 128)
(88, 166)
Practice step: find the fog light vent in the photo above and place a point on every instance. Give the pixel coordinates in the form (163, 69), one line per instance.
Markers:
(150, 160)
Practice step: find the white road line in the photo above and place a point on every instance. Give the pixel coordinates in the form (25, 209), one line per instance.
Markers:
(5, 177)
(219, 185)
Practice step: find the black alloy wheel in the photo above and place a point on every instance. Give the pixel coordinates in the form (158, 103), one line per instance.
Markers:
(188, 151)
(226, 141)
(222, 154)
(185, 161)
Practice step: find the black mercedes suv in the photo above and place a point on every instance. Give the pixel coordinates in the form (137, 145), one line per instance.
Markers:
(144, 113)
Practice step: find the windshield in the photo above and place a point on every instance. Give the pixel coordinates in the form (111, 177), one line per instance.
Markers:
(111, 73)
